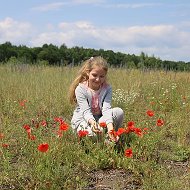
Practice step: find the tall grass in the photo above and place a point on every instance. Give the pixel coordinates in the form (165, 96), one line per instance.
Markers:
(160, 158)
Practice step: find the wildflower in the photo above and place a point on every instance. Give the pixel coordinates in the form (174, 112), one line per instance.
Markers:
(4, 145)
(102, 124)
(59, 133)
(43, 147)
(131, 123)
(37, 125)
(120, 131)
(54, 125)
(138, 131)
(82, 133)
(120, 96)
(145, 130)
(63, 126)
(150, 113)
(130, 127)
(32, 137)
(59, 120)
(128, 153)
(113, 132)
(160, 122)
(28, 130)
(26, 127)
(22, 103)
(44, 123)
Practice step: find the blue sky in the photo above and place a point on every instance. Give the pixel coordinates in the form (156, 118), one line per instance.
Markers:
(155, 27)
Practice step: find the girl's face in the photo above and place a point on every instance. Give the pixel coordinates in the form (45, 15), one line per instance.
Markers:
(97, 77)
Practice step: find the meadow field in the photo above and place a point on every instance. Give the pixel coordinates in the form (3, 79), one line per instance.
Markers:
(38, 149)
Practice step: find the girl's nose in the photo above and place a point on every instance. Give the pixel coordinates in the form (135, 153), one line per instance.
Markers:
(98, 78)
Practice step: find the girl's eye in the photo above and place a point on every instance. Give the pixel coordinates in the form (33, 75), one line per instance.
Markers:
(95, 75)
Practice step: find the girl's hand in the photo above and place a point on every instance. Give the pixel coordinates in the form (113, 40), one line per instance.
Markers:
(112, 137)
(94, 126)
(111, 133)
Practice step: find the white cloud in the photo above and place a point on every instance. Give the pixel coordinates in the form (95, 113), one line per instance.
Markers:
(50, 6)
(132, 5)
(164, 41)
(11, 30)
(59, 5)
(84, 25)
(87, 1)
(56, 38)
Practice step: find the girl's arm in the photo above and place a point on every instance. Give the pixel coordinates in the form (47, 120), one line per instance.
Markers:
(82, 101)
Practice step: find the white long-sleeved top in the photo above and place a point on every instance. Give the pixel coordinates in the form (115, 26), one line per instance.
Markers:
(83, 111)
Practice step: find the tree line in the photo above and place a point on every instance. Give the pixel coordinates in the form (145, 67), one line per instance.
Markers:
(50, 54)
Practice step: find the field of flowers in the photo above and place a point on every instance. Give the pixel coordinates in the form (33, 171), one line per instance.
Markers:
(38, 149)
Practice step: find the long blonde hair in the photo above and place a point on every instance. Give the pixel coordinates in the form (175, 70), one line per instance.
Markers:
(87, 66)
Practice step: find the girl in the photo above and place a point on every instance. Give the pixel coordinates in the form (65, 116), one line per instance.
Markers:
(92, 96)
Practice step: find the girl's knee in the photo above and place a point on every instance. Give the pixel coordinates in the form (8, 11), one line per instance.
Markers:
(118, 111)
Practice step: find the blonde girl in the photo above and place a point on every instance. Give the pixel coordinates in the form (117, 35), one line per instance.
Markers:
(92, 96)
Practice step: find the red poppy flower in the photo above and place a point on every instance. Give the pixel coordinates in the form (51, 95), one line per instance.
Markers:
(64, 126)
(145, 130)
(160, 122)
(128, 153)
(82, 133)
(58, 119)
(22, 103)
(138, 131)
(4, 145)
(44, 123)
(32, 137)
(43, 147)
(120, 131)
(150, 113)
(113, 132)
(26, 127)
(130, 128)
(37, 125)
(131, 123)
(28, 130)
(102, 124)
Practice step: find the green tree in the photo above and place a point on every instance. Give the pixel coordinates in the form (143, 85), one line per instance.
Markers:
(7, 51)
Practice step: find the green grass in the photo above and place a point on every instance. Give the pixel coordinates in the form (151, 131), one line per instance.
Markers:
(156, 156)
